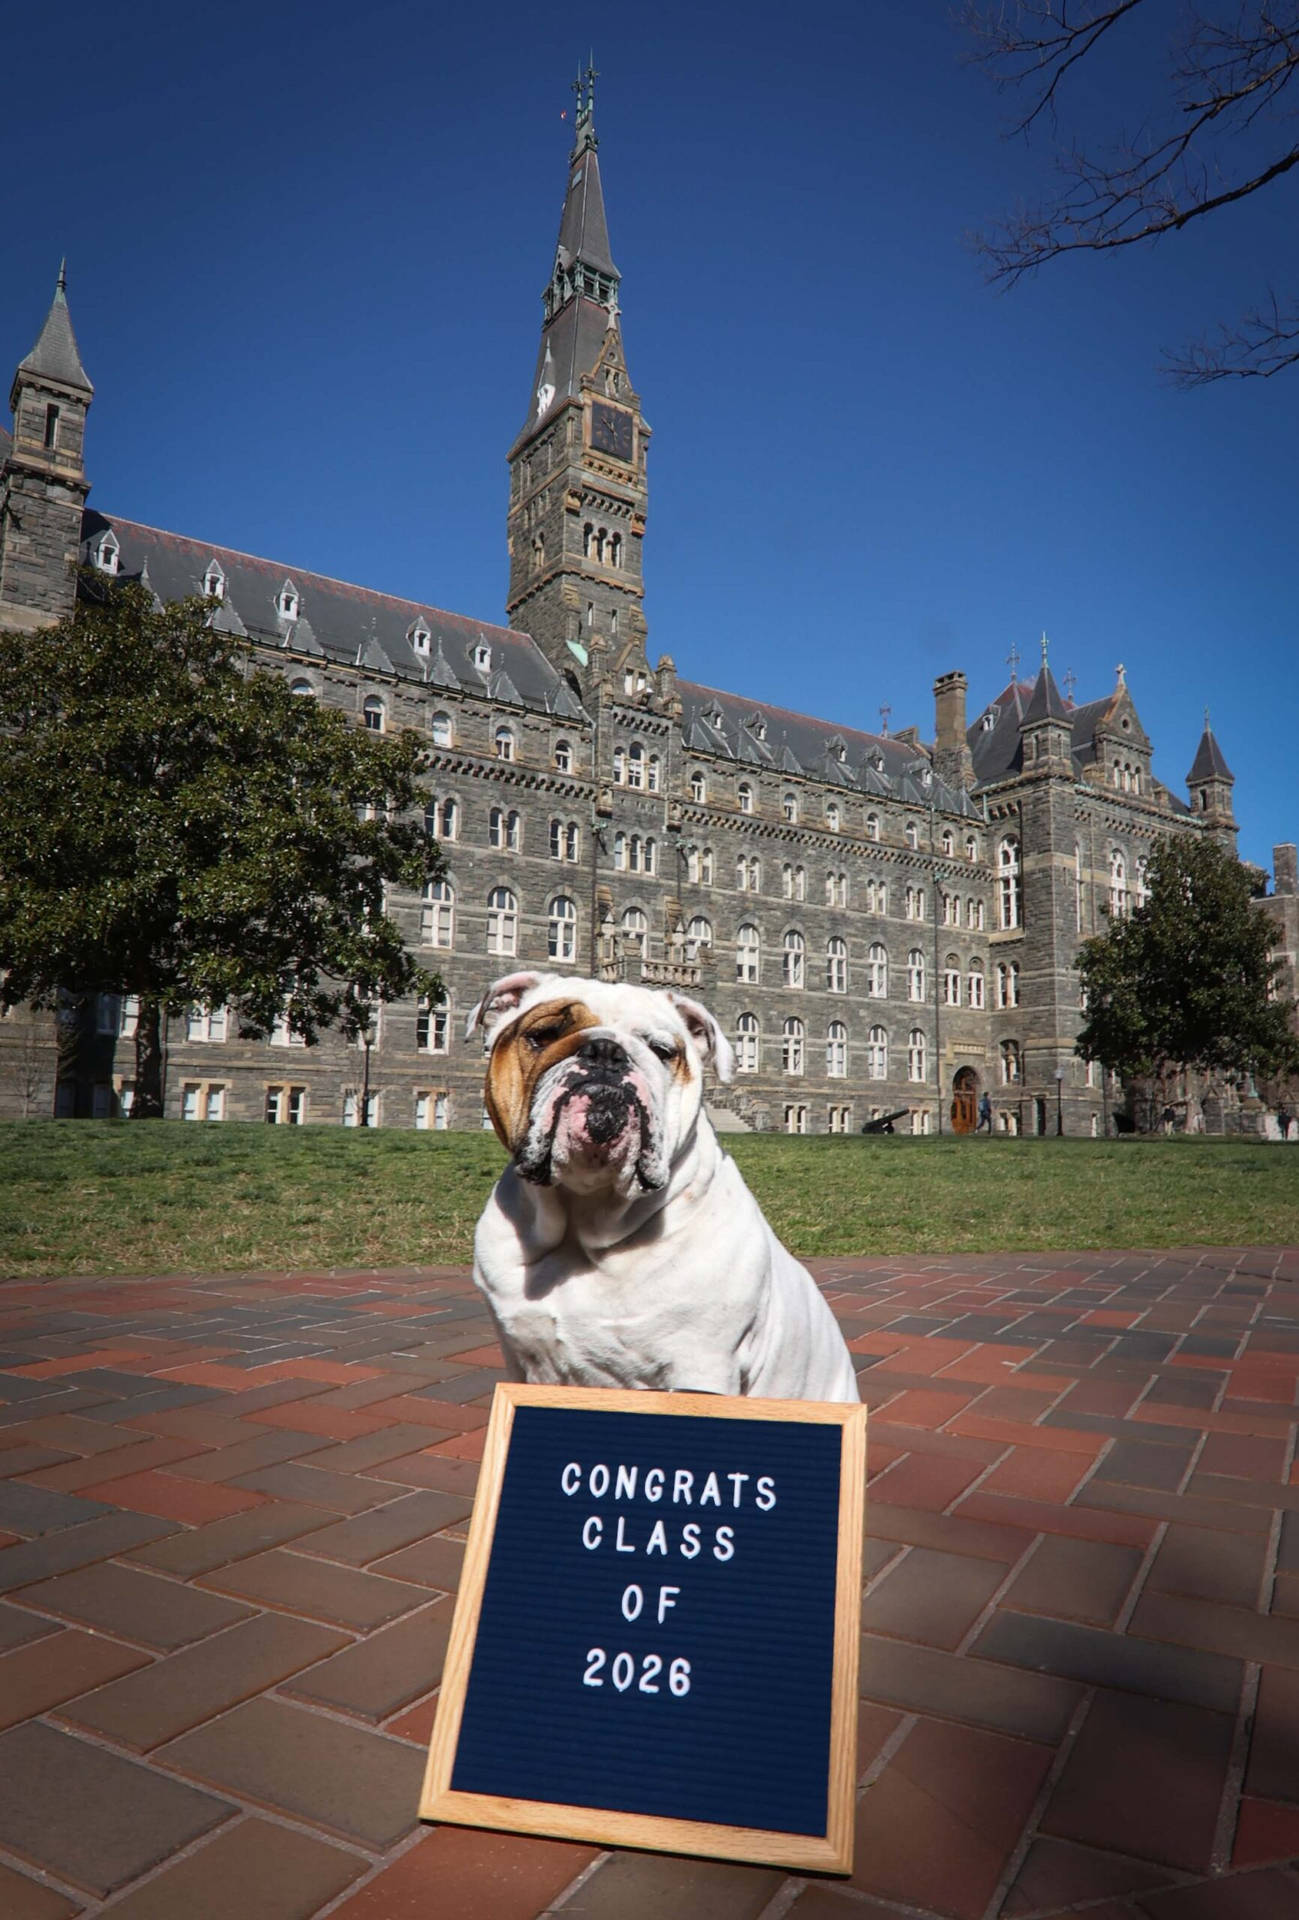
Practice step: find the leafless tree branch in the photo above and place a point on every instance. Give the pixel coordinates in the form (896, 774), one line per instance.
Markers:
(1225, 130)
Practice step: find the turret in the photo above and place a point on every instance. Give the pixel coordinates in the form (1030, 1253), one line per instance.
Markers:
(1209, 784)
(43, 485)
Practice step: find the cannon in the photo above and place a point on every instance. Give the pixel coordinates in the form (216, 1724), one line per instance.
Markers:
(885, 1122)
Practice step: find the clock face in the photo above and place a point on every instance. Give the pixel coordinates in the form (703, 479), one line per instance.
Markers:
(611, 430)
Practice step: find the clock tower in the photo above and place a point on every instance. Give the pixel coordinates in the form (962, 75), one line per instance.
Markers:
(578, 495)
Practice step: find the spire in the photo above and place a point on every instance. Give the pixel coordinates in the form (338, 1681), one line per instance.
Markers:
(55, 355)
(1046, 702)
(581, 299)
(1209, 763)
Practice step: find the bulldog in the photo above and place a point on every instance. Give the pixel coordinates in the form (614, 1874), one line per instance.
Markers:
(620, 1247)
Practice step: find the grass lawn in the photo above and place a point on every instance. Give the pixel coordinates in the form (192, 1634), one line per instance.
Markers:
(100, 1197)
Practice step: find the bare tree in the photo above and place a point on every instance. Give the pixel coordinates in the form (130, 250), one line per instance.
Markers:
(1224, 129)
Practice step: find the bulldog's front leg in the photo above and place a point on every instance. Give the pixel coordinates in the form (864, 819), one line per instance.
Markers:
(520, 1225)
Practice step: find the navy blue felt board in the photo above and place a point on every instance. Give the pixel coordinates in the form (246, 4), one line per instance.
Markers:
(749, 1744)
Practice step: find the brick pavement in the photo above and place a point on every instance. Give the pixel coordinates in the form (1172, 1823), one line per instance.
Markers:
(232, 1514)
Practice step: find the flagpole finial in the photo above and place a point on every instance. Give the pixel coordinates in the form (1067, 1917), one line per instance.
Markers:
(1207, 728)
(1044, 647)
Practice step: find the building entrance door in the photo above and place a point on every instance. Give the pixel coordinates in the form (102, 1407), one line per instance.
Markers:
(965, 1095)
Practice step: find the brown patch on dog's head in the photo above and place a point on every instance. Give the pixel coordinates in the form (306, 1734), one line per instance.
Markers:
(537, 1041)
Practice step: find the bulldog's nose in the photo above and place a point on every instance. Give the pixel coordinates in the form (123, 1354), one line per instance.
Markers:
(602, 1052)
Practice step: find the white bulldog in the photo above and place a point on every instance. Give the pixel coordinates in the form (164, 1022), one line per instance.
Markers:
(620, 1247)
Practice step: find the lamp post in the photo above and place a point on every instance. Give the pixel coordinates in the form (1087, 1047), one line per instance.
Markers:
(1059, 1103)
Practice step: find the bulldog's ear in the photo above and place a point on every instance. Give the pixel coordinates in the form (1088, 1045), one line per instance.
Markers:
(706, 1034)
(502, 997)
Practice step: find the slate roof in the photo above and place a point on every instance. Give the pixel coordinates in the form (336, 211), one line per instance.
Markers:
(573, 337)
(583, 229)
(756, 733)
(1047, 702)
(55, 354)
(343, 624)
(997, 751)
(1208, 763)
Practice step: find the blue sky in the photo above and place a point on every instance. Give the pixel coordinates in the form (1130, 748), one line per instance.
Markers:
(306, 249)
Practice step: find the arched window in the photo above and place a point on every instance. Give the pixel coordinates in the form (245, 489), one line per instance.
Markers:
(836, 966)
(502, 921)
(917, 1054)
(748, 953)
(1142, 890)
(1008, 888)
(1008, 984)
(971, 847)
(504, 744)
(563, 756)
(373, 714)
(572, 840)
(652, 773)
(877, 1054)
(619, 767)
(787, 881)
(214, 581)
(915, 974)
(948, 842)
(437, 918)
(877, 971)
(588, 540)
(833, 818)
(746, 1043)
(836, 1050)
(635, 764)
(561, 932)
(615, 549)
(556, 839)
(692, 866)
(699, 932)
(706, 867)
(912, 834)
(698, 786)
(620, 852)
(744, 795)
(442, 819)
(872, 826)
(952, 980)
(791, 1046)
(800, 883)
(440, 728)
(795, 950)
(1118, 885)
(742, 874)
(974, 983)
(789, 807)
(303, 688)
(635, 927)
(915, 903)
(1010, 1074)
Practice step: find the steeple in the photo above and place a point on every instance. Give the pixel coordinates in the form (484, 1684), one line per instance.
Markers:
(43, 484)
(55, 356)
(1209, 784)
(577, 484)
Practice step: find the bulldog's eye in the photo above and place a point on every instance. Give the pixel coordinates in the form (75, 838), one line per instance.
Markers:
(544, 1037)
(665, 1049)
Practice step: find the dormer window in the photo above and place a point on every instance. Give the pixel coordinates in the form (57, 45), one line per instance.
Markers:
(989, 720)
(107, 553)
(287, 601)
(419, 637)
(482, 657)
(757, 726)
(214, 581)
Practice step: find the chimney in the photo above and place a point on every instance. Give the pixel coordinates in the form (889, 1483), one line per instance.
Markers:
(952, 760)
(1285, 878)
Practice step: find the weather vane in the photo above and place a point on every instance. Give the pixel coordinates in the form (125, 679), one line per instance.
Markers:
(1070, 682)
(885, 713)
(1012, 658)
(1044, 646)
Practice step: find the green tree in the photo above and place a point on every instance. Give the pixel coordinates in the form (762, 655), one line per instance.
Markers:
(178, 825)
(1187, 981)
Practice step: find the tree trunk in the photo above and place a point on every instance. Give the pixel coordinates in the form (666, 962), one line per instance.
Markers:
(148, 1061)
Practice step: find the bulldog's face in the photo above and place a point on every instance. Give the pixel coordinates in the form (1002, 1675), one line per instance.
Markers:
(593, 1086)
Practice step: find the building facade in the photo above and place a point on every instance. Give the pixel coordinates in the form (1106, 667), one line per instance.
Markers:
(885, 923)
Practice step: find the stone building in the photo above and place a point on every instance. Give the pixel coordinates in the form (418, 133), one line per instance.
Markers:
(884, 923)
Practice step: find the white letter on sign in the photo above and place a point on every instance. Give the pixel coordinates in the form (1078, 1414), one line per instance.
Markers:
(632, 1602)
(590, 1539)
(664, 1602)
(571, 1478)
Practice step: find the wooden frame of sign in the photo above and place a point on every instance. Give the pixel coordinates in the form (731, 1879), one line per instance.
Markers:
(828, 1849)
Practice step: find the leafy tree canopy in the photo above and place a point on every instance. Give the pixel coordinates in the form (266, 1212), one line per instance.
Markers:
(1187, 981)
(178, 825)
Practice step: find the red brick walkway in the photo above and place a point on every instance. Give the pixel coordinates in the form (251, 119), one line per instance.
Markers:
(233, 1513)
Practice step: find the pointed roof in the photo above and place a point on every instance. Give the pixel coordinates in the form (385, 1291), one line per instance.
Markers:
(1209, 763)
(583, 229)
(1046, 702)
(55, 355)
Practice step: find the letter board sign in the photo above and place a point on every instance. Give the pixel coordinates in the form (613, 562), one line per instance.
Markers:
(656, 1637)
